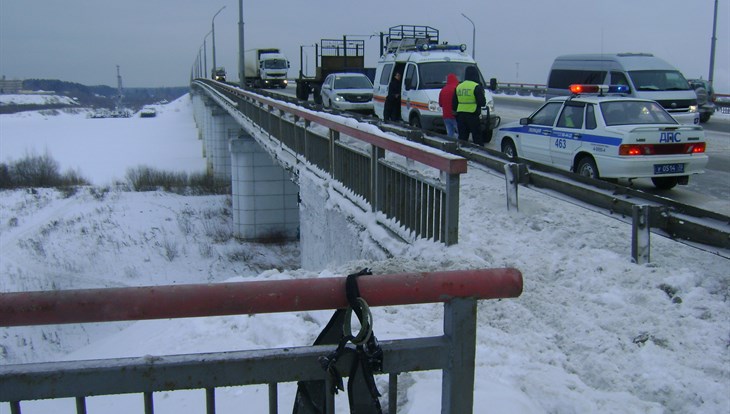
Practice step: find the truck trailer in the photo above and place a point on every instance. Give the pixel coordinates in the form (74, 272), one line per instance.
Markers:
(331, 55)
(266, 68)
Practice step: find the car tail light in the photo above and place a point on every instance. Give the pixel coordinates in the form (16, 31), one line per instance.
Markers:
(661, 149)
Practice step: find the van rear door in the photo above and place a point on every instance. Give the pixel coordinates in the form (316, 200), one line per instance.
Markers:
(380, 88)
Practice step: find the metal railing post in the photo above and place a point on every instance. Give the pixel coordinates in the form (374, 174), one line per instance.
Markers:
(80, 405)
(273, 398)
(149, 405)
(210, 400)
(452, 208)
(393, 393)
(334, 136)
(457, 384)
(376, 178)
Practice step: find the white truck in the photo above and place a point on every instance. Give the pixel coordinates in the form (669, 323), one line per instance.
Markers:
(266, 68)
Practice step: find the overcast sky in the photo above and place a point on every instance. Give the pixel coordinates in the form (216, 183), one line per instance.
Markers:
(155, 42)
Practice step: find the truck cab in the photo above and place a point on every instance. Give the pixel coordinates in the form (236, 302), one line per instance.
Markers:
(219, 74)
(424, 63)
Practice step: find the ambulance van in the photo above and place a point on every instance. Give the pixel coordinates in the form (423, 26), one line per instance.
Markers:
(647, 77)
(424, 63)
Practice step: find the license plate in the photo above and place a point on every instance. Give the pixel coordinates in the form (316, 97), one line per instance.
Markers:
(668, 168)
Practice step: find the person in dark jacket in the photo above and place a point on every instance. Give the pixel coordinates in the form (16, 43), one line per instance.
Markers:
(445, 101)
(391, 110)
(467, 103)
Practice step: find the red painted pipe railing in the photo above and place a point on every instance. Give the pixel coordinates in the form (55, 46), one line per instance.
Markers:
(183, 301)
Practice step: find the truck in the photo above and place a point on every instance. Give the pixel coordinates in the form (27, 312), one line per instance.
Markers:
(331, 56)
(219, 74)
(266, 68)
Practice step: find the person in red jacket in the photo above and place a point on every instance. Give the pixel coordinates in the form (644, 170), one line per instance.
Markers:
(445, 98)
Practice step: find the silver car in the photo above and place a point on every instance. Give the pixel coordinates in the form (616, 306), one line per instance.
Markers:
(347, 92)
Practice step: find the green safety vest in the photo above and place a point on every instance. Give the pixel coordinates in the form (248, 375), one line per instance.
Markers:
(465, 97)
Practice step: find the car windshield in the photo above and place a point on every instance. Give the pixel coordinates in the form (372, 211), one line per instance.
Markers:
(634, 113)
(659, 80)
(353, 82)
(275, 64)
(433, 74)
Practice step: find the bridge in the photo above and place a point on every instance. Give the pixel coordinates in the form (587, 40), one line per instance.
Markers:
(285, 162)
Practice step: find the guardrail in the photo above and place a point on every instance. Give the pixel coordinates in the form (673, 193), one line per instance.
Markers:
(453, 352)
(426, 206)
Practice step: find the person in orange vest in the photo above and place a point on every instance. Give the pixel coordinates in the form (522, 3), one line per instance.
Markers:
(445, 96)
(468, 101)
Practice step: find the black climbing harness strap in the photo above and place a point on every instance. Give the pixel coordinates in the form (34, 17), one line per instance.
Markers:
(363, 394)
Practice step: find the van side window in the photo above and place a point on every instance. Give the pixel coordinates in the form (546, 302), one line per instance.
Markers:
(618, 78)
(411, 78)
(385, 75)
(563, 78)
(571, 117)
(591, 117)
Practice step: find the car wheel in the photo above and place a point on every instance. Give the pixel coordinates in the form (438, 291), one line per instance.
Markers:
(508, 149)
(325, 103)
(665, 183)
(415, 121)
(587, 168)
(704, 117)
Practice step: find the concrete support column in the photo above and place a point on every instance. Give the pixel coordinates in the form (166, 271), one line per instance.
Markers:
(223, 128)
(265, 199)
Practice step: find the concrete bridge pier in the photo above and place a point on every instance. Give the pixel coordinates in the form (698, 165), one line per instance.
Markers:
(223, 128)
(265, 199)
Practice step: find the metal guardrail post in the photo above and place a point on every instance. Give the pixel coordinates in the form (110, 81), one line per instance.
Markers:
(640, 234)
(511, 173)
(460, 326)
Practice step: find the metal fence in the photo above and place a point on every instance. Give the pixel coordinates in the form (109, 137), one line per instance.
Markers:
(453, 352)
(426, 206)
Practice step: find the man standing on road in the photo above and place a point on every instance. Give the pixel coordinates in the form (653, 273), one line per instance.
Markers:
(468, 101)
(445, 98)
(391, 110)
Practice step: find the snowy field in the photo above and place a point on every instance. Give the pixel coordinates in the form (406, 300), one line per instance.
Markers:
(592, 332)
(35, 99)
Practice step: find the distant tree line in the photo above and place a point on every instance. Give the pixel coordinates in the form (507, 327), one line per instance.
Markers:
(100, 96)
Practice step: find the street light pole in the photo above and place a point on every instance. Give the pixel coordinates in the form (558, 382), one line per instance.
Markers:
(241, 58)
(205, 54)
(712, 47)
(212, 29)
(473, 35)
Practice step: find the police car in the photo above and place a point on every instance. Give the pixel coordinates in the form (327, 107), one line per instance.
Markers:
(599, 133)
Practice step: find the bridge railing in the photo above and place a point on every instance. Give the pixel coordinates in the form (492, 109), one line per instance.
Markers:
(363, 158)
(453, 352)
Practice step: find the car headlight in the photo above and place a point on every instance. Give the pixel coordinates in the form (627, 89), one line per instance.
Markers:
(693, 108)
(434, 106)
(338, 98)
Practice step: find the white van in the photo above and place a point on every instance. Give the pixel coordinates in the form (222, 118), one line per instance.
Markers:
(647, 77)
(415, 52)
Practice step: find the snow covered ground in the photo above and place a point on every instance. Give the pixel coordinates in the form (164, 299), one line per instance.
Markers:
(592, 332)
(35, 99)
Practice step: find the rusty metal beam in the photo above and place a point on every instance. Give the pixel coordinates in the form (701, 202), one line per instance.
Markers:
(183, 301)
